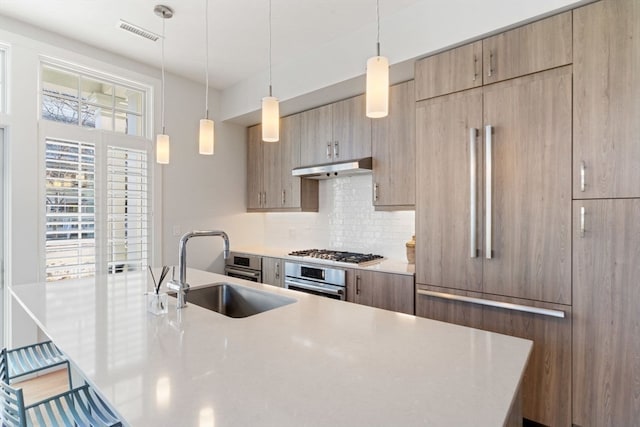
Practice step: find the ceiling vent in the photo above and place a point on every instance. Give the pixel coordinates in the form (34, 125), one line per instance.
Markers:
(132, 28)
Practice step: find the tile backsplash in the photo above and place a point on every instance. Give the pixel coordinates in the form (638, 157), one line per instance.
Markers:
(346, 221)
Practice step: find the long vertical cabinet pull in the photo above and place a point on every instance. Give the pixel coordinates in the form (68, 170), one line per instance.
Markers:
(328, 150)
(487, 188)
(582, 176)
(336, 149)
(357, 284)
(473, 197)
(582, 214)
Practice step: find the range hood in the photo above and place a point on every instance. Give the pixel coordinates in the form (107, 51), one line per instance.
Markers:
(336, 169)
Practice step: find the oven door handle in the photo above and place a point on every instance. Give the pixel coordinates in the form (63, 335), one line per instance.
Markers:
(305, 285)
(253, 275)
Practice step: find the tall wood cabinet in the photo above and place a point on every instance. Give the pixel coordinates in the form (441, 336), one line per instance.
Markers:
(606, 335)
(393, 146)
(270, 185)
(606, 161)
(498, 219)
(335, 132)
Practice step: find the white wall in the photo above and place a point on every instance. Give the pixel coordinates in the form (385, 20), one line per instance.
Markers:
(346, 221)
(196, 192)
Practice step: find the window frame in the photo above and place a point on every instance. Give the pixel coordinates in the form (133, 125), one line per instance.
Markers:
(84, 72)
(102, 140)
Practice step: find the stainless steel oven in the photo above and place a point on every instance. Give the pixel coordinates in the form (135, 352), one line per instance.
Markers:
(244, 266)
(314, 279)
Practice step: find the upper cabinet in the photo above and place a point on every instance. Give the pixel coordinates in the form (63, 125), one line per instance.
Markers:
(534, 47)
(451, 71)
(270, 185)
(528, 49)
(335, 132)
(393, 148)
(606, 124)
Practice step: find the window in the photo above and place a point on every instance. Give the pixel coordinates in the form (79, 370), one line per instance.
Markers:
(97, 203)
(81, 99)
(3, 82)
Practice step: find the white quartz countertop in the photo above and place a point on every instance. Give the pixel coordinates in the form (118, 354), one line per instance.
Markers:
(385, 266)
(316, 362)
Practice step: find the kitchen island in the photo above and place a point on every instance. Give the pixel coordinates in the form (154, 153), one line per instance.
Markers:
(316, 362)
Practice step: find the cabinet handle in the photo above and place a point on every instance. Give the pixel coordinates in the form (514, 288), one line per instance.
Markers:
(475, 67)
(490, 303)
(260, 198)
(277, 270)
(264, 198)
(284, 197)
(582, 214)
(487, 188)
(328, 150)
(473, 197)
(583, 167)
(357, 285)
(375, 192)
(490, 72)
(336, 149)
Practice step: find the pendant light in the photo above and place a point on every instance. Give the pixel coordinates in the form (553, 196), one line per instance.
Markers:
(377, 80)
(206, 139)
(270, 106)
(162, 139)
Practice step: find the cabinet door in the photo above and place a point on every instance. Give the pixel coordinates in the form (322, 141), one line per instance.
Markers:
(451, 71)
(393, 292)
(546, 387)
(446, 236)
(606, 297)
(450, 311)
(254, 168)
(272, 271)
(393, 149)
(530, 218)
(607, 100)
(272, 175)
(290, 150)
(316, 142)
(538, 46)
(351, 129)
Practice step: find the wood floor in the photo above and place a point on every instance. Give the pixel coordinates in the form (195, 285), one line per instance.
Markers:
(44, 386)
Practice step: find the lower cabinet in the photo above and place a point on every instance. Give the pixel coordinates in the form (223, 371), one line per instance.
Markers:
(546, 388)
(388, 291)
(272, 271)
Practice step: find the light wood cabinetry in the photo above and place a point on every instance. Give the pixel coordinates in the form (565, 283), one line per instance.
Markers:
(393, 147)
(606, 297)
(272, 271)
(606, 147)
(528, 179)
(270, 185)
(451, 71)
(546, 388)
(387, 291)
(335, 132)
(528, 49)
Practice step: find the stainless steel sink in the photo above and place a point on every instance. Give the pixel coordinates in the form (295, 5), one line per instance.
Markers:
(235, 300)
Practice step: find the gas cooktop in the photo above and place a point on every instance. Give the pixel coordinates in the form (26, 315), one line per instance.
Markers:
(339, 256)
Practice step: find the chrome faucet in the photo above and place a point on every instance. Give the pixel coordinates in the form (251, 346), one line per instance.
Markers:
(181, 286)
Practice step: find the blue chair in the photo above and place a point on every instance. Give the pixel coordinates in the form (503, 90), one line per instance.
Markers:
(31, 359)
(80, 406)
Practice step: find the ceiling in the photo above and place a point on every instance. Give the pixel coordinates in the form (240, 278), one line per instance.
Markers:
(238, 30)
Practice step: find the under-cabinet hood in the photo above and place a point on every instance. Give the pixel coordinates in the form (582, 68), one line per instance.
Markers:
(336, 169)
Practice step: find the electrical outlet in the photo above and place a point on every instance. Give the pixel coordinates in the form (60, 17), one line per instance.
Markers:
(176, 230)
(292, 233)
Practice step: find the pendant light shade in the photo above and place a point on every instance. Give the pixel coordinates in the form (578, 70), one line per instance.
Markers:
(270, 105)
(270, 119)
(162, 139)
(206, 141)
(162, 149)
(377, 87)
(377, 94)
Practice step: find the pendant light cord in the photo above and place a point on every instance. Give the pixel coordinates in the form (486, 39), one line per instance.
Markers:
(378, 18)
(270, 89)
(162, 63)
(206, 44)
